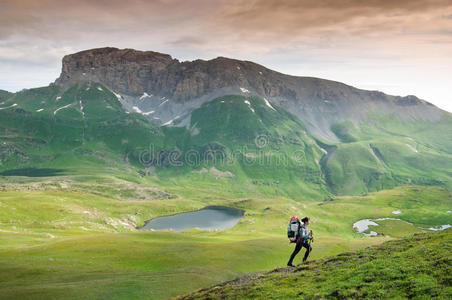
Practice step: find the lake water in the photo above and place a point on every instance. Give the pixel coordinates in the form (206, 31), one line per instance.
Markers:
(208, 218)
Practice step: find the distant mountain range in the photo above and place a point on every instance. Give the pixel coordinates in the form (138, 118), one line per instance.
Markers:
(119, 111)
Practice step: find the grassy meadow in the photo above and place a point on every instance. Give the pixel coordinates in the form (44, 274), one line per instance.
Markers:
(74, 237)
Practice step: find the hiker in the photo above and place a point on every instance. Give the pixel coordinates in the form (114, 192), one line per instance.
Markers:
(303, 237)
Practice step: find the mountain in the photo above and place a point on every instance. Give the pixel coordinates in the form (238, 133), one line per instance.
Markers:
(156, 82)
(4, 95)
(131, 113)
(396, 269)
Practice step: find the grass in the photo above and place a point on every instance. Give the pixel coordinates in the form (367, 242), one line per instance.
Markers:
(59, 241)
(415, 267)
(395, 228)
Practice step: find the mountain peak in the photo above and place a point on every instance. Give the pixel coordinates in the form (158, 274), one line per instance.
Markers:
(109, 65)
(150, 80)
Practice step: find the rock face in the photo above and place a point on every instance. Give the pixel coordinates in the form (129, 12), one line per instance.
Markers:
(166, 89)
(128, 71)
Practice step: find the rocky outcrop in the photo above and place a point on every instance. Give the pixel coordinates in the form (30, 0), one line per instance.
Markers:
(157, 83)
(128, 71)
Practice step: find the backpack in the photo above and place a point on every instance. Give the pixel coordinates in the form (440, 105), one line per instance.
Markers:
(292, 229)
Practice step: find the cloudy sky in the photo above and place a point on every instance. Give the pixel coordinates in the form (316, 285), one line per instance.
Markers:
(399, 47)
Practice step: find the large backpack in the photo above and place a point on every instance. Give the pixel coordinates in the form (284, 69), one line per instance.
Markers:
(292, 229)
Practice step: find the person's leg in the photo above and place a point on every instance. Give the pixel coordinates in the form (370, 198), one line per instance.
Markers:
(308, 250)
(295, 252)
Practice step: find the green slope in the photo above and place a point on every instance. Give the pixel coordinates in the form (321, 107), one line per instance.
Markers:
(266, 147)
(4, 95)
(237, 139)
(384, 152)
(415, 267)
(82, 128)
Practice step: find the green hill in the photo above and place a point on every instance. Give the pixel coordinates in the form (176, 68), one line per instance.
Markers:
(242, 139)
(415, 267)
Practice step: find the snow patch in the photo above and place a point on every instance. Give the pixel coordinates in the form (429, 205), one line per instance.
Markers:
(138, 110)
(117, 95)
(145, 95)
(268, 104)
(249, 105)
(260, 72)
(238, 68)
(363, 225)
(63, 107)
(99, 88)
(412, 148)
(439, 228)
(163, 101)
(244, 90)
(135, 108)
(41, 109)
(15, 104)
(396, 212)
(170, 121)
(58, 98)
(82, 108)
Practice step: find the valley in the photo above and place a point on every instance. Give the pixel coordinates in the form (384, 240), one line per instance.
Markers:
(60, 241)
(124, 136)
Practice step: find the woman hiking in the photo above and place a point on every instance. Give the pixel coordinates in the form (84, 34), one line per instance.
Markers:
(304, 235)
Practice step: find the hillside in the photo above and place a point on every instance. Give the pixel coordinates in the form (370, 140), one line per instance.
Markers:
(133, 113)
(419, 266)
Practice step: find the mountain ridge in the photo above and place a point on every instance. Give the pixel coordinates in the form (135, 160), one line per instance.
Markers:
(359, 142)
(153, 81)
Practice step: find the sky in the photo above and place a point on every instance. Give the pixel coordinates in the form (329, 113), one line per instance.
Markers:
(401, 47)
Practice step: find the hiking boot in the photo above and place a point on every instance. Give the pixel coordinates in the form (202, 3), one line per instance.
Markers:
(290, 265)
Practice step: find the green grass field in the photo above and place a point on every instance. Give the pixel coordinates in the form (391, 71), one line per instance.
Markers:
(416, 267)
(59, 241)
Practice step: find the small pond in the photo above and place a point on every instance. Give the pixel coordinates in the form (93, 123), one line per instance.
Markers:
(208, 218)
